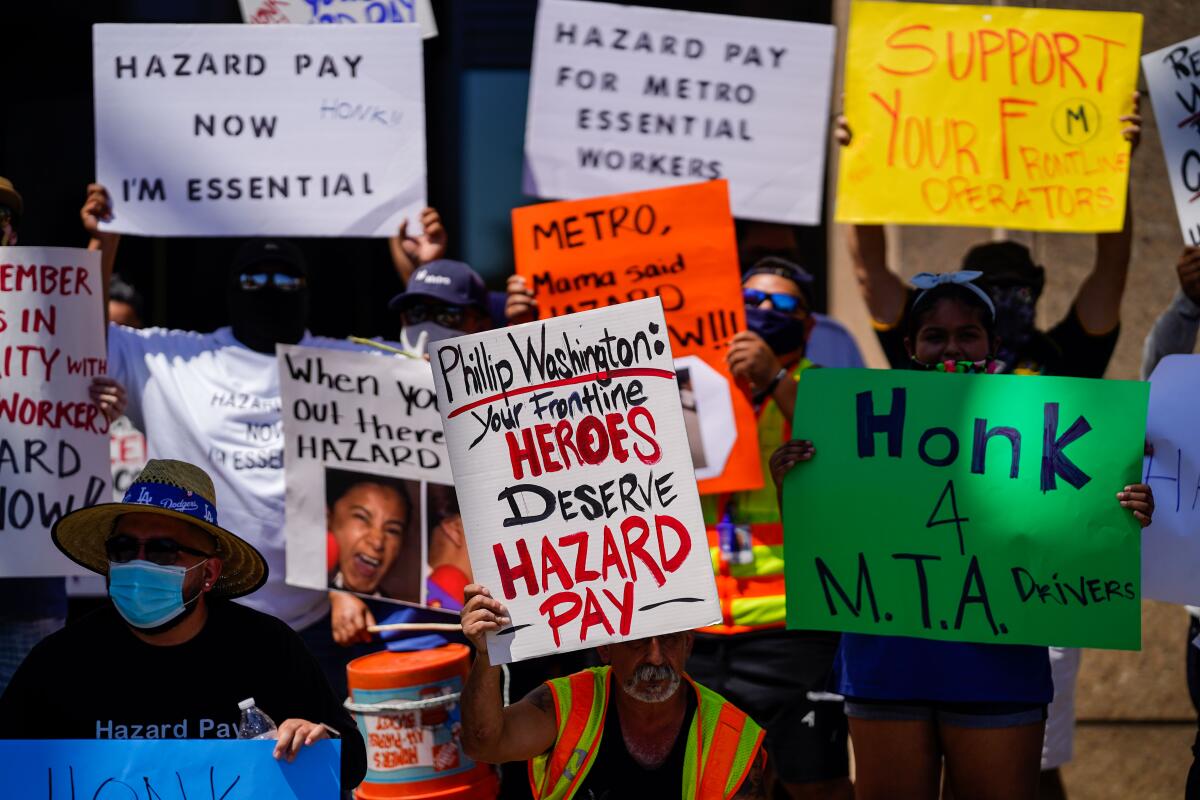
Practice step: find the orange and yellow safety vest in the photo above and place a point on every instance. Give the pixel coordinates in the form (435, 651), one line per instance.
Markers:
(722, 741)
(752, 595)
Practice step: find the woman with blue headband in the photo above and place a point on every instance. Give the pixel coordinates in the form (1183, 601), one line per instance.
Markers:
(913, 703)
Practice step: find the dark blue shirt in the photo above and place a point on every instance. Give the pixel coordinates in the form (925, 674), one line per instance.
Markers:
(904, 668)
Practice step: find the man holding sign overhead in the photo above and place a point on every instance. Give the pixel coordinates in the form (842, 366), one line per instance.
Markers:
(583, 738)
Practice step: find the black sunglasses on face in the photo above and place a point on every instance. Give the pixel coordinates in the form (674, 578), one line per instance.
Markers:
(121, 549)
(444, 315)
(253, 281)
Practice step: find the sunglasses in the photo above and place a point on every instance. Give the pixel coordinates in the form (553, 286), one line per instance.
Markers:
(445, 315)
(122, 549)
(787, 303)
(253, 281)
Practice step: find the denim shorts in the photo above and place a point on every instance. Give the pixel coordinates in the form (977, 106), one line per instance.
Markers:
(959, 715)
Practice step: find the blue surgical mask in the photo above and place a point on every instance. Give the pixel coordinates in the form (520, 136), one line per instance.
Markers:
(148, 595)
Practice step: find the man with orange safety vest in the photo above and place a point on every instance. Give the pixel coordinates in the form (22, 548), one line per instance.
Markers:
(778, 676)
(662, 734)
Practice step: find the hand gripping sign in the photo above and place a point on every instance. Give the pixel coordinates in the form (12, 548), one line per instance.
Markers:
(573, 470)
(971, 508)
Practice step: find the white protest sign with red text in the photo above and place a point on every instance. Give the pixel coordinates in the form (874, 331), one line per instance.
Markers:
(1173, 76)
(53, 439)
(575, 479)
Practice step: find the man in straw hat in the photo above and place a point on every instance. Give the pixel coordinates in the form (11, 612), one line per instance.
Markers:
(171, 658)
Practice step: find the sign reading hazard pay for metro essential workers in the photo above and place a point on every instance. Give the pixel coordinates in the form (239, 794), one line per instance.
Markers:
(623, 98)
(252, 130)
(575, 479)
(985, 115)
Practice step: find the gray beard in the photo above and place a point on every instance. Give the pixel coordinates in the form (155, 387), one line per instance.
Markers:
(635, 688)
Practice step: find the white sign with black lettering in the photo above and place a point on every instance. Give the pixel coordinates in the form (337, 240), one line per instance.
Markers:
(366, 469)
(1173, 75)
(256, 130)
(575, 477)
(624, 98)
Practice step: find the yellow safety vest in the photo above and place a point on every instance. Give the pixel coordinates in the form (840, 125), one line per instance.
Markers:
(752, 595)
(721, 746)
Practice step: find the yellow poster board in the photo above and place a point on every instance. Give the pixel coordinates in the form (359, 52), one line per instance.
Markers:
(987, 115)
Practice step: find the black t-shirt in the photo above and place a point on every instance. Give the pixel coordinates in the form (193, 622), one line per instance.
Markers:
(95, 680)
(616, 776)
(1066, 350)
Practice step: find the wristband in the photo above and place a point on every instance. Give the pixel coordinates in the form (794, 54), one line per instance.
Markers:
(765, 393)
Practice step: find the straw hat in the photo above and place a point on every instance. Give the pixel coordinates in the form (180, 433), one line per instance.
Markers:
(10, 198)
(173, 489)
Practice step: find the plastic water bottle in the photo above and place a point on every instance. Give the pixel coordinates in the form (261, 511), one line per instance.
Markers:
(255, 723)
(734, 541)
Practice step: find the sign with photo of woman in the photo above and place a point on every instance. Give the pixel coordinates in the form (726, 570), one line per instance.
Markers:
(370, 505)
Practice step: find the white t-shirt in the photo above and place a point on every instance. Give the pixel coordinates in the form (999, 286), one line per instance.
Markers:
(207, 399)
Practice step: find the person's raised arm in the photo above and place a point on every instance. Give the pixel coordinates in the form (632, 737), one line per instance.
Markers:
(1098, 303)
(882, 289)
(490, 732)
(97, 206)
(1175, 329)
(410, 252)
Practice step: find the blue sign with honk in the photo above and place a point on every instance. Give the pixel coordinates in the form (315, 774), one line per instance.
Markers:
(170, 769)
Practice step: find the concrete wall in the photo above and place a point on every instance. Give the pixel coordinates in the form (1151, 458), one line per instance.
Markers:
(1136, 720)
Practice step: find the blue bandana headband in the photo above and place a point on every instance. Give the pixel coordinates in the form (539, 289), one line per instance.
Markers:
(172, 498)
(964, 278)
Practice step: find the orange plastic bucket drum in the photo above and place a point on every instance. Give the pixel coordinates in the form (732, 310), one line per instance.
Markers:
(407, 709)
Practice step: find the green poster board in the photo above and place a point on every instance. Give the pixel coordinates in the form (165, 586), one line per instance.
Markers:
(977, 508)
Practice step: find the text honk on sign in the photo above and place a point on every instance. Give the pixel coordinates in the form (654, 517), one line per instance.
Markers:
(984, 115)
(575, 479)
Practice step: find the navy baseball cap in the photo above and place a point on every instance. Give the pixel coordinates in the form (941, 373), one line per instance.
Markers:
(774, 265)
(450, 282)
(277, 252)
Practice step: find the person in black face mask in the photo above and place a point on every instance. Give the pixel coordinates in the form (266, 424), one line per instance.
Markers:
(779, 322)
(750, 656)
(268, 294)
(212, 399)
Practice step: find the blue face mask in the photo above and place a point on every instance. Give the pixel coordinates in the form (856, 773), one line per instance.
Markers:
(148, 595)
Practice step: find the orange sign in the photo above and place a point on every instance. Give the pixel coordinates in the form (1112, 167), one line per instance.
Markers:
(677, 243)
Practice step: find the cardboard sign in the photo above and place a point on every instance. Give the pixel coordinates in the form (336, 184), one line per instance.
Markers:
(1173, 75)
(341, 12)
(65, 769)
(578, 495)
(53, 438)
(677, 244)
(986, 115)
(1171, 545)
(975, 508)
(370, 505)
(623, 98)
(256, 130)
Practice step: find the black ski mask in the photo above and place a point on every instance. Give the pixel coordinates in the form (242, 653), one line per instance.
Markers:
(268, 295)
